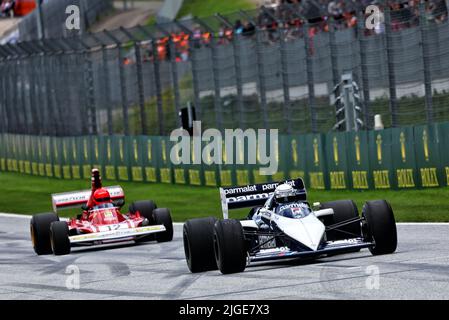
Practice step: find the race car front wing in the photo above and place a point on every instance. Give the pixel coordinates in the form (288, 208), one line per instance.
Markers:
(115, 235)
(337, 247)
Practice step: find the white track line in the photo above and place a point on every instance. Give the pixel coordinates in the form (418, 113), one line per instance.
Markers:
(24, 216)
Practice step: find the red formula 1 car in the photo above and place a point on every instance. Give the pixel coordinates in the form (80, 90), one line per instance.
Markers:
(100, 221)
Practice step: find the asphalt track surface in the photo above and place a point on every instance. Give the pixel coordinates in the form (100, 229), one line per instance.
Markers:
(418, 270)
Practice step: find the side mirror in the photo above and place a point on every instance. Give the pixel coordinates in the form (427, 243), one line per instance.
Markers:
(119, 203)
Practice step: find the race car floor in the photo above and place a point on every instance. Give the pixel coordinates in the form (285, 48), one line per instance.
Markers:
(418, 270)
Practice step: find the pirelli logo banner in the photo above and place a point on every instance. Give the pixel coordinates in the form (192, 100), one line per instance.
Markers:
(398, 158)
(443, 147)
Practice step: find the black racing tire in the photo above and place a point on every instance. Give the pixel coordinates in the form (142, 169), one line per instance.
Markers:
(163, 217)
(229, 246)
(343, 210)
(40, 232)
(198, 237)
(145, 208)
(59, 236)
(380, 227)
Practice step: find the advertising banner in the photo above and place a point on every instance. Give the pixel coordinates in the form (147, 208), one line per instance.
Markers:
(149, 146)
(443, 129)
(404, 162)
(381, 163)
(360, 176)
(108, 154)
(317, 176)
(427, 154)
(336, 156)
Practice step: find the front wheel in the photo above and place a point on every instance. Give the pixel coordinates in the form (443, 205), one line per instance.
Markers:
(59, 235)
(163, 217)
(198, 238)
(40, 232)
(380, 227)
(229, 245)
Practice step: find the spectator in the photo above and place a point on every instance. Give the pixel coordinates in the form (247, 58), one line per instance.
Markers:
(7, 8)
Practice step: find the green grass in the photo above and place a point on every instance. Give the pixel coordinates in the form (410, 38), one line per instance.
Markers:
(29, 194)
(205, 8)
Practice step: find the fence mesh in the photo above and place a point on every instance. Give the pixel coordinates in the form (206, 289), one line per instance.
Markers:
(269, 68)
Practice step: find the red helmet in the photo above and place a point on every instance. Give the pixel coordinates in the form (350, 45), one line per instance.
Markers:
(101, 196)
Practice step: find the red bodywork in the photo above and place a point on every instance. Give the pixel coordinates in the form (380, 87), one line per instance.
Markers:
(101, 219)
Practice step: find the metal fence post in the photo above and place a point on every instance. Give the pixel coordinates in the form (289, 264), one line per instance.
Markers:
(141, 93)
(175, 79)
(91, 105)
(285, 79)
(236, 44)
(217, 85)
(107, 89)
(364, 68)
(261, 73)
(139, 75)
(424, 27)
(124, 95)
(334, 53)
(157, 80)
(390, 66)
(310, 79)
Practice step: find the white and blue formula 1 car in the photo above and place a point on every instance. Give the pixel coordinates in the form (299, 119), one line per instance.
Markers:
(283, 225)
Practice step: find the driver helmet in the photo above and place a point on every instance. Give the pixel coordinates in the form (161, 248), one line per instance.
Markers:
(101, 196)
(285, 193)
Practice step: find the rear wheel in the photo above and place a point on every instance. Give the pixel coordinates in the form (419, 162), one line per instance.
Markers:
(145, 208)
(59, 236)
(198, 237)
(344, 210)
(40, 232)
(229, 246)
(163, 217)
(380, 227)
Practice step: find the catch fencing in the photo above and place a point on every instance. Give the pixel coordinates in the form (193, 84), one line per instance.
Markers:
(268, 68)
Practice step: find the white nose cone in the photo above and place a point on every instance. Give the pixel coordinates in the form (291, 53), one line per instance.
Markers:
(309, 230)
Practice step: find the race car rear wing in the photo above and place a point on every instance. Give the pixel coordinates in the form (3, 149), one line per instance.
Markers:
(78, 198)
(254, 195)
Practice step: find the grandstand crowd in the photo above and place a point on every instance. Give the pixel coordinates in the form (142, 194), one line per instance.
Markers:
(279, 20)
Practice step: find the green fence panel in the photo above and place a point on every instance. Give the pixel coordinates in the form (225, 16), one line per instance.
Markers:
(122, 156)
(34, 155)
(195, 171)
(28, 154)
(295, 155)
(360, 176)
(427, 155)
(108, 154)
(149, 158)
(2, 152)
(66, 165)
(443, 129)
(48, 156)
(19, 147)
(165, 166)
(337, 164)
(97, 145)
(136, 159)
(13, 163)
(404, 161)
(380, 156)
(316, 162)
(75, 157)
(57, 156)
